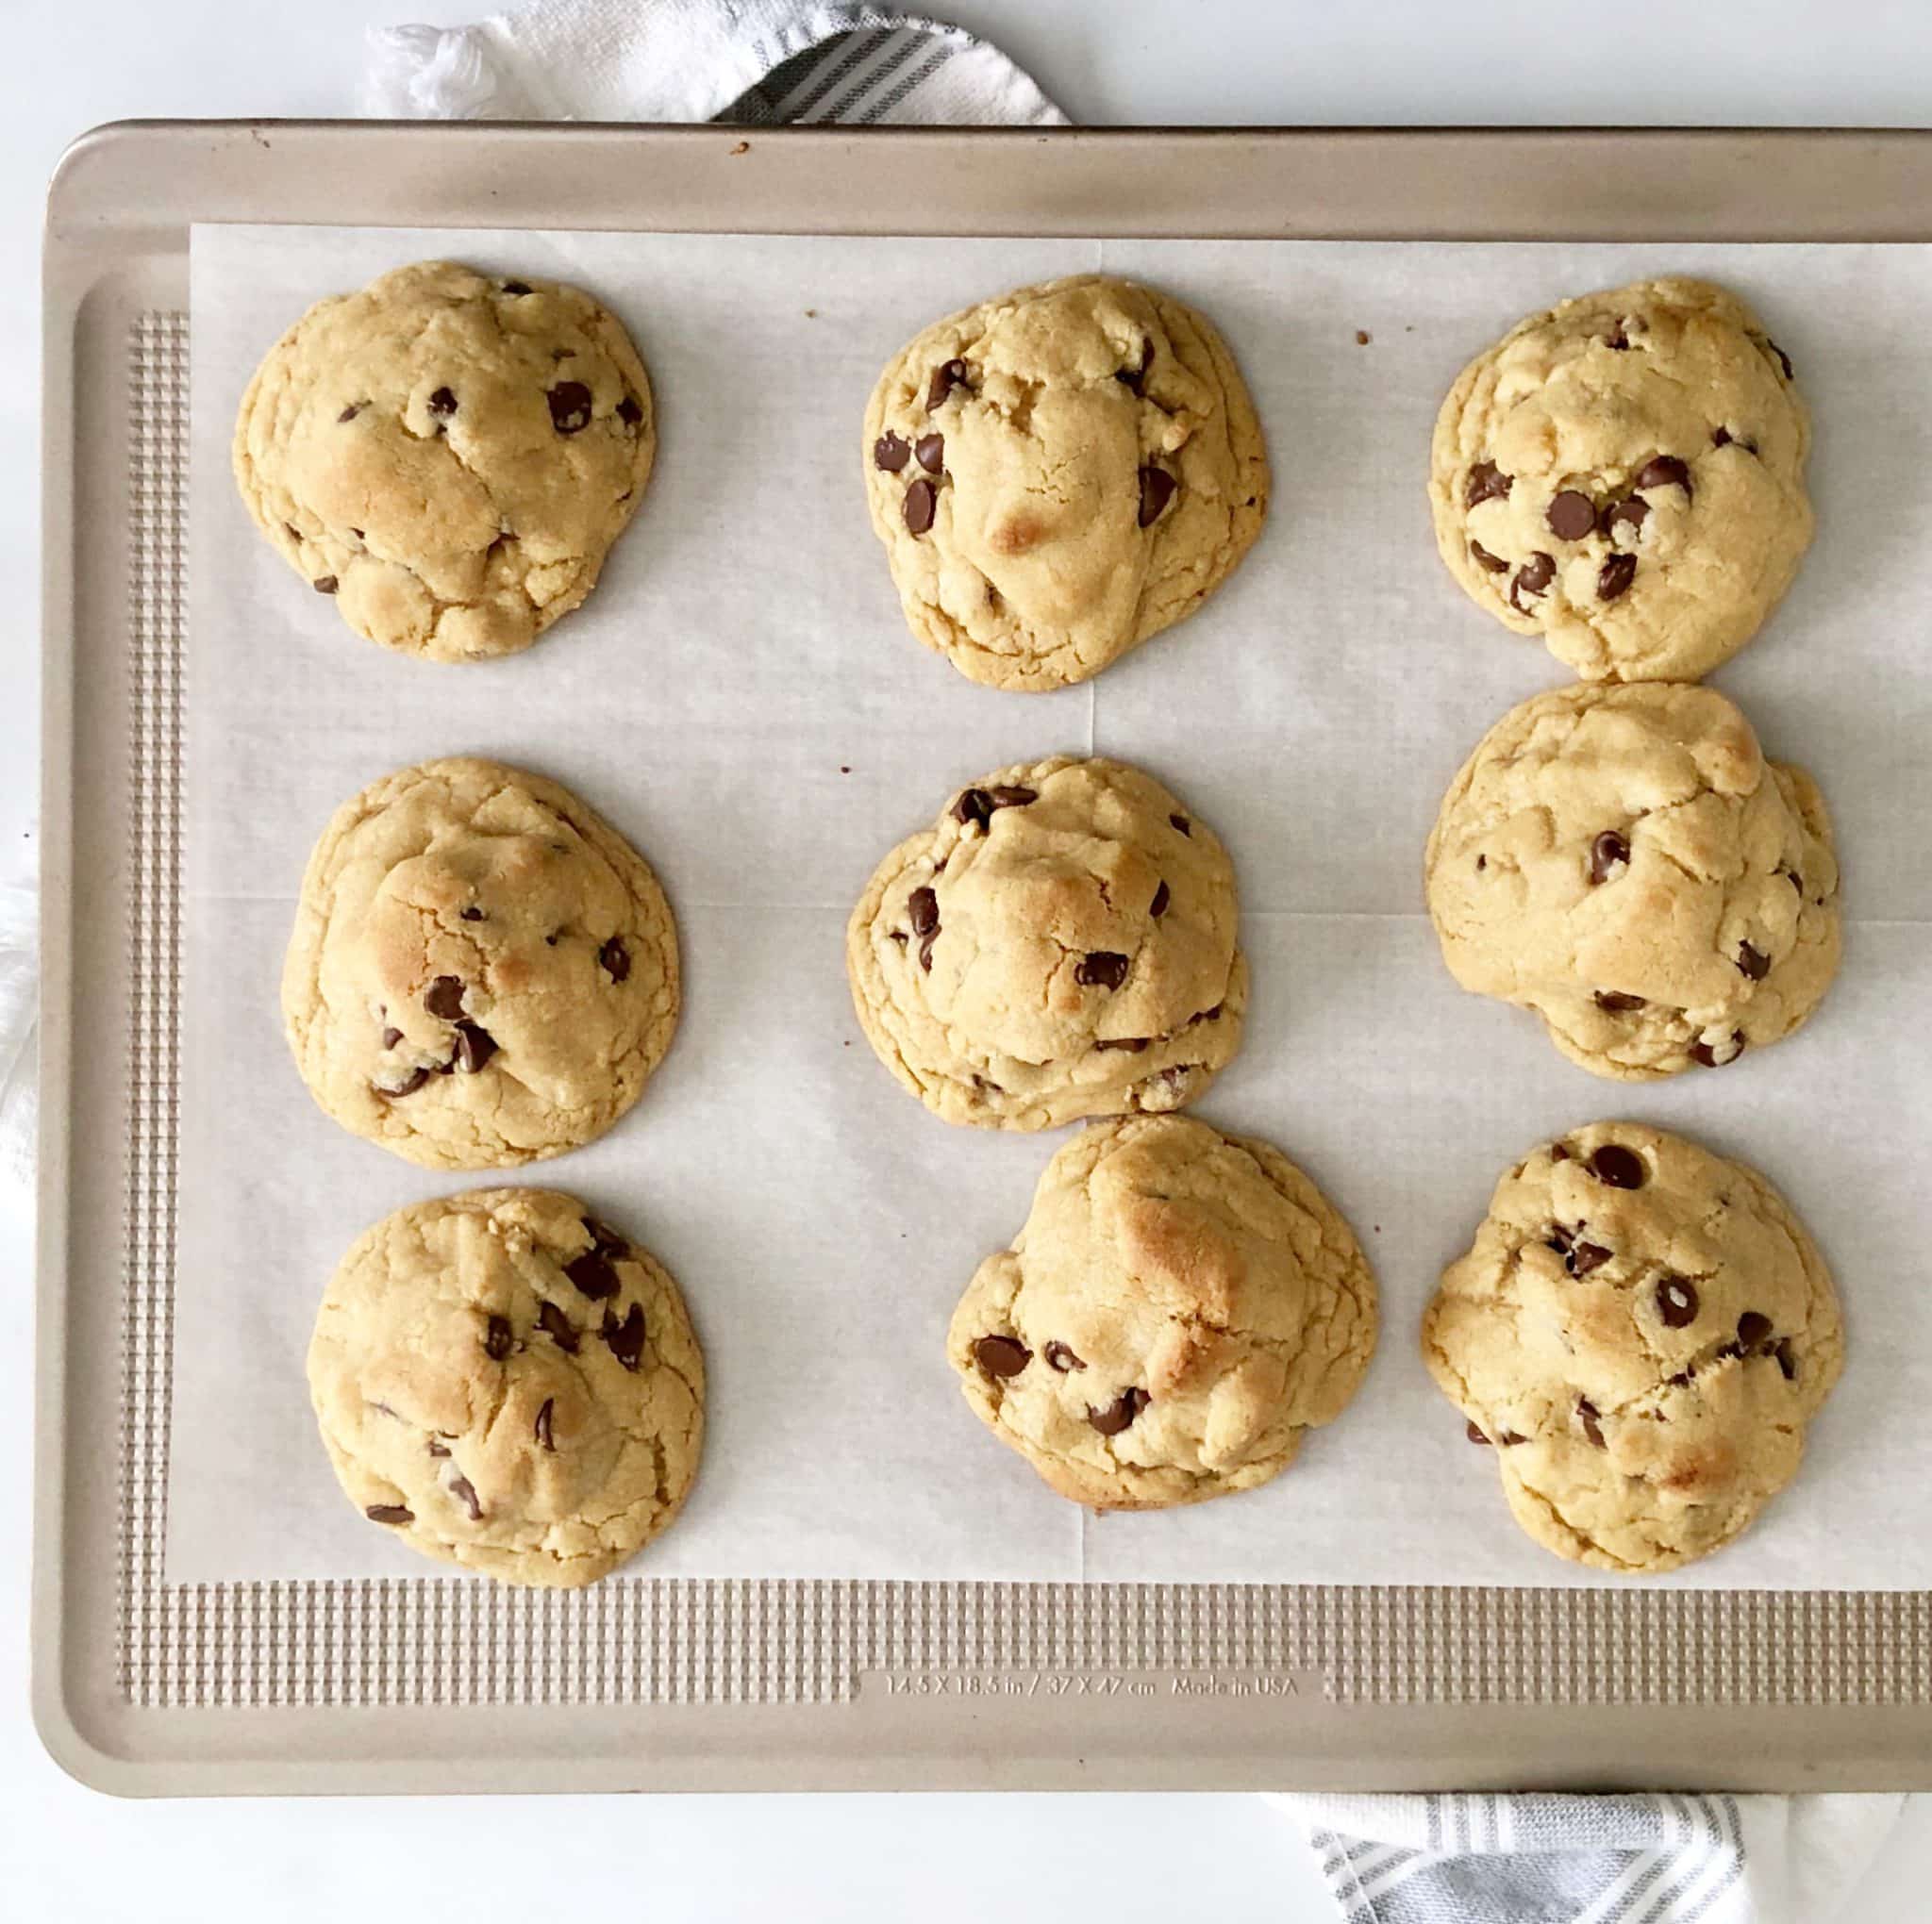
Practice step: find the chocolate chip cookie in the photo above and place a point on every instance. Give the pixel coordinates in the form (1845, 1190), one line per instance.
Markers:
(448, 455)
(1625, 861)
(1060, 474)
(1640, 1332)
(506, 1382)
(1061, 943)
(1623, 474)
(482, 974)
(1180, 1308)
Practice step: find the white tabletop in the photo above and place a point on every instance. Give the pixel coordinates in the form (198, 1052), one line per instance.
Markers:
(68, 1854)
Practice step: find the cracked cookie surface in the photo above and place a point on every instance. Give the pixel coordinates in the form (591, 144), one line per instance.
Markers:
(1061, 943)
(1623, 474)
(483, 971)
(1061, 474)
(1180, 1309)
(1624, 862)
(508, 1383)
(447, 454)
(1642, 1331)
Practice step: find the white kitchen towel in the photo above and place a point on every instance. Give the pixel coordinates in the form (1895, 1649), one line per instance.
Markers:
(1472, 1858)
(755, 61)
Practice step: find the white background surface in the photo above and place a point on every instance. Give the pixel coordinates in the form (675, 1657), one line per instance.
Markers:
(66, 1853)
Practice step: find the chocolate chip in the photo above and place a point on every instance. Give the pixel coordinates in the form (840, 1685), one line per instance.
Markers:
(436, 1448)
(1677, 1302)
(1787, 1360)
(1482, 862)
(475, 1047)
(496, 1338)
(607, 1240)
(390, 1037)
(1625, 516)
(1664, 470)
(945, 378)
(464, 1491)
(1615, 577)
(324, 584)
(1720, 436)
(1582, 1257)
(1120, 1412)
(1753, 963)
(1062, 1358)
(350, 412)
(358, 532)
(1103, 969)
(1706, 1056)
(899, 936)
(614, 959)
(1157, 491)
(1487, 482)
(1753, 1326)
(545, 1438)
(1616, 1003)
(982, 804)
(1572, 515)
(923, 906)
(889, 453)
(1509, 1439)
(569, 406)
(1158, 908)
(1784, 361)
(1587, 1414)
(1181, 823)
(931, 451)
(442, 402)
(1212, 1015)
(1131, 1044)
(1559, 1151)
(1533, 578)
(444, 997)
(1002, 1355)
(293, 533)
(1010, 795)
(389, 1513)
(626, 1339)
(1135, 379)
(918, 507)
(1620, 341)
(1608, 853)
(516, 287)
(558, 1327)
(1473, 1430)
(1482, 558)
(408, 1087)
(472, 914)
(592, 1275)
(1617, 1166)
(628, 410)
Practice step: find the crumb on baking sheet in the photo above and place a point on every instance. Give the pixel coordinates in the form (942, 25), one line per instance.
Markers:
(743, 147)
(1361, 337)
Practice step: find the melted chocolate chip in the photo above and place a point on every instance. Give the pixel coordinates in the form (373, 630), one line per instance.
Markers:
(1608, 853)
(1157, 491)
(1706, 1056)
(1062, 1358)
(436, 1448)
(1614, 1001)
(924, 907)
(1115, 1418)
(1509, 1439)
(626, 1339)
(1487, 482)
(1615, 577)
(1103, 969)
(442, 402)
(1753, 1326)
(1495, 564)
(1753, 964)
(1158, 908)
(1474, 1431)
(1625, 516)
(1787, 1360)
(542, 1428)
(1131, 1044)
(1587, 1414)
(1784, 361)
(473, 914)
(1582, 1257)
(1532, 578)
(945, 378)
(1559, 1151)
(592, 1275)
(1135, 379)
(1677, 1302)
(350, 412)
(408, 1087)
(496, 1338)
(293, 533)
(444, 997)
(614, 959)
(390, 1037)
(569, 406)
(981, 804)
(324, 584)
(918, 507)
(464, 1491)
(558, 1327)
(475, 1047)
(1664, 470)
(889, 453)
(1572, 515)
(629, 411)
(389, 1513)
(1619, 339)
(931, 451)
(1617, 1167)
(1002, 1355)
(1181, 823)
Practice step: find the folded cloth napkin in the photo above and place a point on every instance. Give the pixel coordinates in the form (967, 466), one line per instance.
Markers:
(1469, 1858)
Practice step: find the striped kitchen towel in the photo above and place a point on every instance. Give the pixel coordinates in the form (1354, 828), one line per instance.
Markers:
(760, 62)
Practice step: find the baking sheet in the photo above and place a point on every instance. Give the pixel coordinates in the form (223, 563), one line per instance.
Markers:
(741, 699)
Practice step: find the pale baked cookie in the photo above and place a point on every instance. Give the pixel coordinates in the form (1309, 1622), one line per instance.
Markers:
(1060, 474)
(1061, 943)
(450, 455)
(1624, 862)
(1180, 1308)
(508, 1384)
(1625, 476)
(1641, 1330)
(483, 972)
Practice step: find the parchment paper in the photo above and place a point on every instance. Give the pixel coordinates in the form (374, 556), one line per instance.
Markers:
(741, 699)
